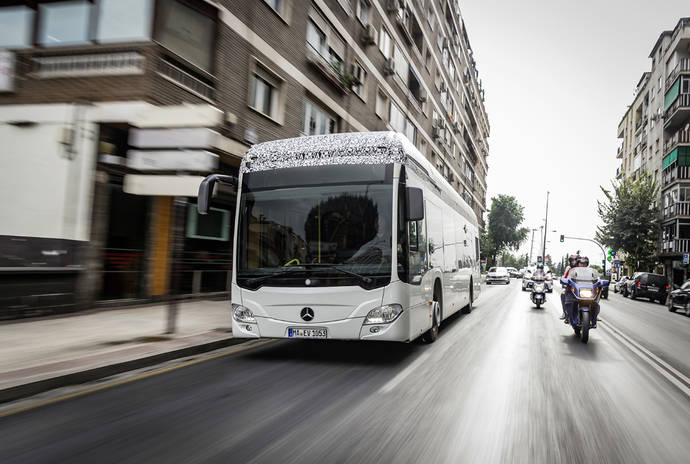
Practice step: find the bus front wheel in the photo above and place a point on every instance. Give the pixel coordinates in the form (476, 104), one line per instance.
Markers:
(431, 335)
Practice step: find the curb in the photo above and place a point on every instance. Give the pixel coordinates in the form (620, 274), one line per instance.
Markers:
(74, 378)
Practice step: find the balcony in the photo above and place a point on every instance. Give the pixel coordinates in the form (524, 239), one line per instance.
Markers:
(185, 80)
(682, 67)
(681, 208)
(673, 173)
(682, 137)
(331, 69)
(676, 246)
(619, 152)
(619, 172)
(90, 64)
(679, 111)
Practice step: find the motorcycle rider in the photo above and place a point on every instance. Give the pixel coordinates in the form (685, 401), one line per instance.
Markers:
(585, 272)
(572, 262)
(539, 273)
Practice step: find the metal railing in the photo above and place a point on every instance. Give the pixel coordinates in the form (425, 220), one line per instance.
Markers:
(681, 136)
(682, 66)
(683, 101)
(678, 245)
(185, 80)
(92, 64)
(681, 208)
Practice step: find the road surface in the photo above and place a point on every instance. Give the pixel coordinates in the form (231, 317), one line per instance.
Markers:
(506, 383)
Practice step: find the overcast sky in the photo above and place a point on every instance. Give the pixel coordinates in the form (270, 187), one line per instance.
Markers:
(559, 76)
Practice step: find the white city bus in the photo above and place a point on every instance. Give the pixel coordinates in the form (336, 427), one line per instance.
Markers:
(349, 236)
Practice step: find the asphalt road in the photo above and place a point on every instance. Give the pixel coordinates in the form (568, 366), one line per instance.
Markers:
(506, 383)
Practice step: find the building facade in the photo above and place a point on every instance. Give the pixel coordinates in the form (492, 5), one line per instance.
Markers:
(655, 133)
(111, 109)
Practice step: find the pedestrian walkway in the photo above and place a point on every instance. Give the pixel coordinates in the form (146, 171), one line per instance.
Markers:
(39, 354)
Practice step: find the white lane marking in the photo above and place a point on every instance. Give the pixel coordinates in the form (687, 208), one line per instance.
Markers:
(650, 358)
(403, 374)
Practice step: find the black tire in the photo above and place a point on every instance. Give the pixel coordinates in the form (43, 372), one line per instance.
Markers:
(687, 310)
(633, 294)
(584, 332)
(670, 305)
(431, 335)
(538, 305)
(577, 331)
(468, 309)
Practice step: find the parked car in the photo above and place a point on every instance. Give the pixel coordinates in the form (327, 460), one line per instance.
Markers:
(680, 299)
(619, 284)
(647, 285)
(513, 272)
(497, 274)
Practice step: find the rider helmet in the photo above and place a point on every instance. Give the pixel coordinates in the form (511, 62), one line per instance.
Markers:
(583, 259)
(572, 260)
(540, 266)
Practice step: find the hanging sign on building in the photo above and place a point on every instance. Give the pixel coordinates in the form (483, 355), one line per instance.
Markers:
(6, 71)
(172, 160)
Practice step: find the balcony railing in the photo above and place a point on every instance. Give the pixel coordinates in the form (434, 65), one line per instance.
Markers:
(683, 101)
(682, 66)
(186, 80)
(87, 65)
(681, 208)
(681, 136)
(331, 69)
(678, 245)
(673, 173)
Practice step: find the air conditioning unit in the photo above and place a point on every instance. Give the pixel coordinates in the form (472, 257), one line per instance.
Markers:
(456, 127)
(369, 36)
(389, 67)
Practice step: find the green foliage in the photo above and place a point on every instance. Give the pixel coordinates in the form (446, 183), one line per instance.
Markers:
(630, 221)
(503, 230)
(598, 268)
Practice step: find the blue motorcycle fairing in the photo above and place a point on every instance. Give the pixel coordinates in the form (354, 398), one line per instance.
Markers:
(584, 304)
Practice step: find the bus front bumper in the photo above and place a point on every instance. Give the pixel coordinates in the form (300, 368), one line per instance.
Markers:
(345, 329)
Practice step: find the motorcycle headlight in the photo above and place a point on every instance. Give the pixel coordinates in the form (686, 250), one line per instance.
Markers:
(242, 314)
(538, 288)
(383, 314)
(586, 293)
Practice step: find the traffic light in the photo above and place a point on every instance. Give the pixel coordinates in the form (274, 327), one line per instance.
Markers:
(613, 254)
(562, 238)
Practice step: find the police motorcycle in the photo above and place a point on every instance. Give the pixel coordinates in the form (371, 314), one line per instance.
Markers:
(584, 290)
(538, 292)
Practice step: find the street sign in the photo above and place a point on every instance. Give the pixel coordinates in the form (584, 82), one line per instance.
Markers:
(617, 262)
(686, 258)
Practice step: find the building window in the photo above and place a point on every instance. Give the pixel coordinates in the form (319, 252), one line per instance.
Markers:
(385, 42)
(410, 131)
(359, 87)
(397, 118)
(277, 5)
(440, 39)
(316, 121)
(263, 96)
(381, 104)
(363, 11)
(122, 20)
(16, 27)
(402, 68)
(188, 33)
(64, 23)
(431, 18)
(316, 38)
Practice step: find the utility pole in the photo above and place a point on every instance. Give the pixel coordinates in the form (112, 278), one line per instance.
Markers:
(531, 248)
(546, 227)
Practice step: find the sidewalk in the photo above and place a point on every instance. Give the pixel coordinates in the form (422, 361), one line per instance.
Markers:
(38, 355)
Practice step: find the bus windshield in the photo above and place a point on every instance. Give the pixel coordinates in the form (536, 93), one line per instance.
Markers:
(324, 228)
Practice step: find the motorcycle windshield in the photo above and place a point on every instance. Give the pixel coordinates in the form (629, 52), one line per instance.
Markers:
(584, 275)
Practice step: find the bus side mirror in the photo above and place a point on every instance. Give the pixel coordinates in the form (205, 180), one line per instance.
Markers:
(206, 190)
(415, 204)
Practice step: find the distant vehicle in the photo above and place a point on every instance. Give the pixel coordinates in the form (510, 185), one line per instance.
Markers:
(647, 285)
(680, 299)
(619, 284)
(497, 274)
(523, 271)
(513, 272)
(527, 280)
(538, 293)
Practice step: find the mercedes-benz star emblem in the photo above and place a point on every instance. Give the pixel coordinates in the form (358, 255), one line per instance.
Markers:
(307, 314)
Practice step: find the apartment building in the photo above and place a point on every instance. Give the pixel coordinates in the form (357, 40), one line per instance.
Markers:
(655, 133)
(110, 109)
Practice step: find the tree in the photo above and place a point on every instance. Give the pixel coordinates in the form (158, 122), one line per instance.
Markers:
(503, 230)
(630, 220)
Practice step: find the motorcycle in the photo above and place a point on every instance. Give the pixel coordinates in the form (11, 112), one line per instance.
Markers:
(538, 293)
(585, 311)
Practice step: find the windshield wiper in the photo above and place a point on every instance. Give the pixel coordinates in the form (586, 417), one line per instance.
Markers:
(361, 278)
(259, 280)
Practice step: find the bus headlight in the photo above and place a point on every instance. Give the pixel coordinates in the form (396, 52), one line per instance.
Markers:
(383, 314)
(242, 314)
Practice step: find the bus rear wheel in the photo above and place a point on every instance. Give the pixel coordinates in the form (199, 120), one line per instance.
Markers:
(468, 309)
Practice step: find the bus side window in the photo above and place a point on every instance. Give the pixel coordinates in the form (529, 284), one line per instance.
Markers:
(417, 243)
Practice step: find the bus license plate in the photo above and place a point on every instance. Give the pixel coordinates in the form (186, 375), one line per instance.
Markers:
(294, 332)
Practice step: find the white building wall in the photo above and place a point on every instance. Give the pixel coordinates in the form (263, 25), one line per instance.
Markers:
(44, 193)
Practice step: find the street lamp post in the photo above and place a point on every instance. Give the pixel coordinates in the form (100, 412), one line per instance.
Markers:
(546, 228)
